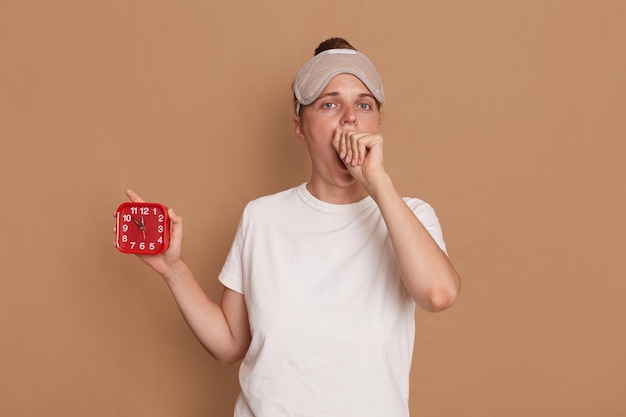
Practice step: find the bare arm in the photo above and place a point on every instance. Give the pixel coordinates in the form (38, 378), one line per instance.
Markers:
(428, 274)
(223, 328)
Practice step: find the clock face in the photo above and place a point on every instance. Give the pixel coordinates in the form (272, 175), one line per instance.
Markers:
(142, 228)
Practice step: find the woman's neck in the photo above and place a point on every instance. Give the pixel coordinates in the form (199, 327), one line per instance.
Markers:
(337, 194)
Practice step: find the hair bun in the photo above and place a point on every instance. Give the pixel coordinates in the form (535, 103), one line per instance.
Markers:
(333, 43)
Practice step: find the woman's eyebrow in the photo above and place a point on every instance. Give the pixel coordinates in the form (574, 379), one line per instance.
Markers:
(336, 93)
(329, 94)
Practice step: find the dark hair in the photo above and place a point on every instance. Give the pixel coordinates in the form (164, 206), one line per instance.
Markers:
(333, 43)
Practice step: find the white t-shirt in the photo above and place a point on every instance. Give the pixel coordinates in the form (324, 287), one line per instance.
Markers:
(332, 323)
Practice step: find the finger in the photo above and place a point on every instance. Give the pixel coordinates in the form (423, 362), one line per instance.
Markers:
(361, 151)
(176, 234)
(337, 143)
(133, 196)
(176, 222)
(354, 148)
(357, 148)
(349, 150)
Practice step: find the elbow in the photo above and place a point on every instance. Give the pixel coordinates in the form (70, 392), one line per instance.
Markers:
(441, 302)
(228, 359)
(441, 299)
(232, 354)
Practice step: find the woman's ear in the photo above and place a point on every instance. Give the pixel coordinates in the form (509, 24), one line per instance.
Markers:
(297, 125)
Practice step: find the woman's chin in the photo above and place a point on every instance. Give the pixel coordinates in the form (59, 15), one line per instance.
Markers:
(344, 177)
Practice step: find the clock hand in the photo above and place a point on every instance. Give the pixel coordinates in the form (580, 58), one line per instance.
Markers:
(139, 225)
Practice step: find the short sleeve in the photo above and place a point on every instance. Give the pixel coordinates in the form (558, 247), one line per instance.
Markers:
(231, 275)
(426, 215)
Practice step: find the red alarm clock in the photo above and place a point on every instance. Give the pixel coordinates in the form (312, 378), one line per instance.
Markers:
(142, 228)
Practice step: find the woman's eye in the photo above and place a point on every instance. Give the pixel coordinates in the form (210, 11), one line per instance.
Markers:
(364, 106)
(328, 105)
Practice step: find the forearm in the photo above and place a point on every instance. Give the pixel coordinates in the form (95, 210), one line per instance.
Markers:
(426, 270)
(222, 329)
(206, 318)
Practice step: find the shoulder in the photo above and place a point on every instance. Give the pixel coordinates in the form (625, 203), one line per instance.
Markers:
(419, 207)
(270, 205)
(427, 216)
(423, 211)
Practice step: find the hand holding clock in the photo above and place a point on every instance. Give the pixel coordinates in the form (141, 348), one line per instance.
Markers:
(162, 259)
(223, 327)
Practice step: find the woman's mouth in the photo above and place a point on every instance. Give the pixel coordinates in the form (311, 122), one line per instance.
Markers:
(341, 164)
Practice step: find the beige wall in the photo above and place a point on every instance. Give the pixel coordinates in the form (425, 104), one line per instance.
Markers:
(507, 116)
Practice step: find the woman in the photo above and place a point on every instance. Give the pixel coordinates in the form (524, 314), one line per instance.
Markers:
(322, 280)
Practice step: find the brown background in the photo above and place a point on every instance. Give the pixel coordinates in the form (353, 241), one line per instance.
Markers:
(507, 116)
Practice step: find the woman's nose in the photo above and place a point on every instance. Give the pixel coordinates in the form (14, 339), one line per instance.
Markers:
(348, 116)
